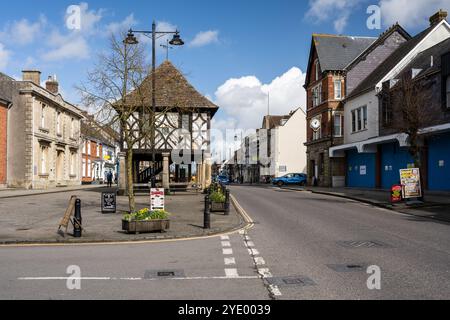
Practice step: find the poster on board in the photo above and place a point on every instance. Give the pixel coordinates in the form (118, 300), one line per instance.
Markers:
(410, 181)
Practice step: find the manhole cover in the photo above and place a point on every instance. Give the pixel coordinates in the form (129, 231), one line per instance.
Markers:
(294, 281)
(353, 267)
(363, 244)
(163, 274)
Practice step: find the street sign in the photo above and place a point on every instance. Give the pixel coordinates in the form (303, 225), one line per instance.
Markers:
(109, 202)
(396, 194)
(157, 197)
(410, 180)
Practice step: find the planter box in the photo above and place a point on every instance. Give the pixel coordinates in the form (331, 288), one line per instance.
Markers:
(217, 207)
(145, 226)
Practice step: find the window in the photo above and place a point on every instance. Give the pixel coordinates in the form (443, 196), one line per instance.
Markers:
(338, 125)
(316, 67)
(43, 111)
(89, 147)
(359, 119)
(317, 134)
(98, 150)
(317, 95)
(58, 123)
(73, 160)
(89, 168)
(337, 89)
(84, 147)
(72, 128)
(43, 160)
(448, 91)
(84, 168)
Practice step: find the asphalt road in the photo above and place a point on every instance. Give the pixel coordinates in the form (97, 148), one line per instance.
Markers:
(294, 251)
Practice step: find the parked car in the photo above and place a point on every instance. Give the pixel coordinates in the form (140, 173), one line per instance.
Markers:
(290, 179)
(223, 180)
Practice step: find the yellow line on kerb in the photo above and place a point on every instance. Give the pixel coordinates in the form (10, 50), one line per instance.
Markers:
(237, 206)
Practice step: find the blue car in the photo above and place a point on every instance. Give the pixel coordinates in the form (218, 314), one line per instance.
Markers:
(223, 180)
(290, 179)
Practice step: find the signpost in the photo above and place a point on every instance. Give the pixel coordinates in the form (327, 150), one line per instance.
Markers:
(109, 202)
(410, 180)
(157, 196)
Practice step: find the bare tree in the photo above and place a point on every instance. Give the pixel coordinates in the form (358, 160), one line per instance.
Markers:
(106, 93)
(411, 112)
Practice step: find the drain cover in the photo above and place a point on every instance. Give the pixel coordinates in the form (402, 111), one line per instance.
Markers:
(363, 244)
(163, 274)
(354, 267)
(294, 281)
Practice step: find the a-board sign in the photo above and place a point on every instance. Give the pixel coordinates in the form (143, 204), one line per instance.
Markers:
(396, 194)
(109, 202)
(410, 180)
(157, 199)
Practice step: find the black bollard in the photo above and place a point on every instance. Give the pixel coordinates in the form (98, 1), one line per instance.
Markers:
(207, 215)
(77, 229)
(227, 202)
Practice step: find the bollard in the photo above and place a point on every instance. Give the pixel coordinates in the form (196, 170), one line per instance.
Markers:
(227, 202)
(77, 229)
(207, 214)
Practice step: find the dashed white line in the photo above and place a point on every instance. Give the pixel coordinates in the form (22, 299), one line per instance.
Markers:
(259, 261)
(231, 273)
(250, 244)
(224, 238)
(265, 273)
(227, 252)
(226, 244)
(229, 261)
(253, 252)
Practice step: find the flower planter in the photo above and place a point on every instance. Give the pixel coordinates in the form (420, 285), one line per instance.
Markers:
(145, 226)
(217, 207)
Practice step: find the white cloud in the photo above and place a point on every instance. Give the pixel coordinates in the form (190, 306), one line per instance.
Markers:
(72, 46)
(23, 32)
(244, 100)
(89, 18)
(4, 57)
(337, 11)
(410, 13)
(122, 26)
(204, 38)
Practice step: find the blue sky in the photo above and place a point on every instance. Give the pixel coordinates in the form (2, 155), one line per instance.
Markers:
(236, 52)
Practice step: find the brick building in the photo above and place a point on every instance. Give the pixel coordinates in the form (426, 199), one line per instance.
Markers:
(4, 105)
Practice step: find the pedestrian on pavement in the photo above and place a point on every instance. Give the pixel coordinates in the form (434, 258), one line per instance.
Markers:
(110, 179)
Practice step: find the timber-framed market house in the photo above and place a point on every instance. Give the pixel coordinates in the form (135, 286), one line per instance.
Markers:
(183, 123)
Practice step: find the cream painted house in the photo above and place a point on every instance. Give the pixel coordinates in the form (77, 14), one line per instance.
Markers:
(43, 136)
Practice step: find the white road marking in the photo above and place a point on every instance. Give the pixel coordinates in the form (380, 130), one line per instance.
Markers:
(230, 261)
(231, 273)
(275, 291)
(225, 237)
(227, 252)
(259, 261)
(134, 279)
(265, 273)
(253, 252)
(250, 244)
(241, 232)
(226, 244)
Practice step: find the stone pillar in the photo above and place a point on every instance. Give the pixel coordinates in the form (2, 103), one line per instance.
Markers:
(166, 173)
(208, 167)
(122, 173)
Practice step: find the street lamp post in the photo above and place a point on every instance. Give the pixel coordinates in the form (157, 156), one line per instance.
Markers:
(176, 41)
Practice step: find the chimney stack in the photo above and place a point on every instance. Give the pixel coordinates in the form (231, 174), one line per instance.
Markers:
(52, 84)
(438, 17)
(33, 76)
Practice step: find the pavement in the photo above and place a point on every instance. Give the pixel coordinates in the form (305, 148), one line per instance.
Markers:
(436, 205)
(35, 218)
(302, 246)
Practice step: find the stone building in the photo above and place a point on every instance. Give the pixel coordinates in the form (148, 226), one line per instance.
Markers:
(43, 134)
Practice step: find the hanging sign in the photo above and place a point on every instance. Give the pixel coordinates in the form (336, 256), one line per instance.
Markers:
(157, 196)
(396, 193)
(410, 180)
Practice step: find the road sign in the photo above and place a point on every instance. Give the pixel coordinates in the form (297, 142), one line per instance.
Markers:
(157, 199)
(410, 180)
(109, 202)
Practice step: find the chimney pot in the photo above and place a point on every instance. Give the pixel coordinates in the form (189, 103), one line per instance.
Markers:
(438, 17)
(52, 84)
(33, 76)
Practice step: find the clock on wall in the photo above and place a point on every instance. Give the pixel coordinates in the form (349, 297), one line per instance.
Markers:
(315, 124)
